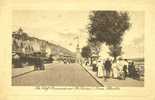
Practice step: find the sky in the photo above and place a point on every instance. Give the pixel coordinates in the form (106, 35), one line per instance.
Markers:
(62, 28)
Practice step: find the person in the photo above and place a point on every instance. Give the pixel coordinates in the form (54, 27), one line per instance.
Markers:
(125, 67)
(130, 69)
(94, 65)
(107, 66)
(115, 69)
(133, 71)
(100, 69)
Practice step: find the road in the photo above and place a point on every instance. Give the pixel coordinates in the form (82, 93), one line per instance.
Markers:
(57, 75)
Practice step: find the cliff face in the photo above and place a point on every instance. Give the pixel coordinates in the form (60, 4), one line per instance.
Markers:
(23, 43)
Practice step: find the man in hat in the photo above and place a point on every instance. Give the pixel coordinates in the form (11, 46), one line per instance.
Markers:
(107, 66)
(125, 67)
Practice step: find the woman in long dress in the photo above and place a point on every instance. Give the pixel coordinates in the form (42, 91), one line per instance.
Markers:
(100, 69)
(115, 69)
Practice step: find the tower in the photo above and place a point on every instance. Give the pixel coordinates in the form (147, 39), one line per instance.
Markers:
(78, 55)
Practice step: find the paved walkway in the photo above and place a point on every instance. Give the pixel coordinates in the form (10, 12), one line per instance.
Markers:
(57, 75)
(24, 70)
(19, 71)
(129, 82)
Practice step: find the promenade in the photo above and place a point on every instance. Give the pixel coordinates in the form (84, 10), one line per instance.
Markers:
(128, 82)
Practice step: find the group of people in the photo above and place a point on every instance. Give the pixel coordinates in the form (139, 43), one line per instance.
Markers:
(117, 69)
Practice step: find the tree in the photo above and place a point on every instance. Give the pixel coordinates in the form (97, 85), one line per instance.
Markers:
(94, 46)
(86, 52)
(108, 27)
(115, 51)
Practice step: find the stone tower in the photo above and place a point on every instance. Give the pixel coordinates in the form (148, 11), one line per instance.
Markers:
(78, 55)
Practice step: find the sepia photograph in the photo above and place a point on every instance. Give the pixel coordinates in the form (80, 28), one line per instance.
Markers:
(78, 48)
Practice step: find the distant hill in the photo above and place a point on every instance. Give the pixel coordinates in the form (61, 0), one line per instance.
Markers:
(23, 40)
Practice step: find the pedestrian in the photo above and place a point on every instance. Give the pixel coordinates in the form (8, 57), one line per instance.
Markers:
(130, 69)
(125, 67)
(107, 66)
(94, 65)
(100, 69)
(133, 71)
(115, 69)
(121, 74)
